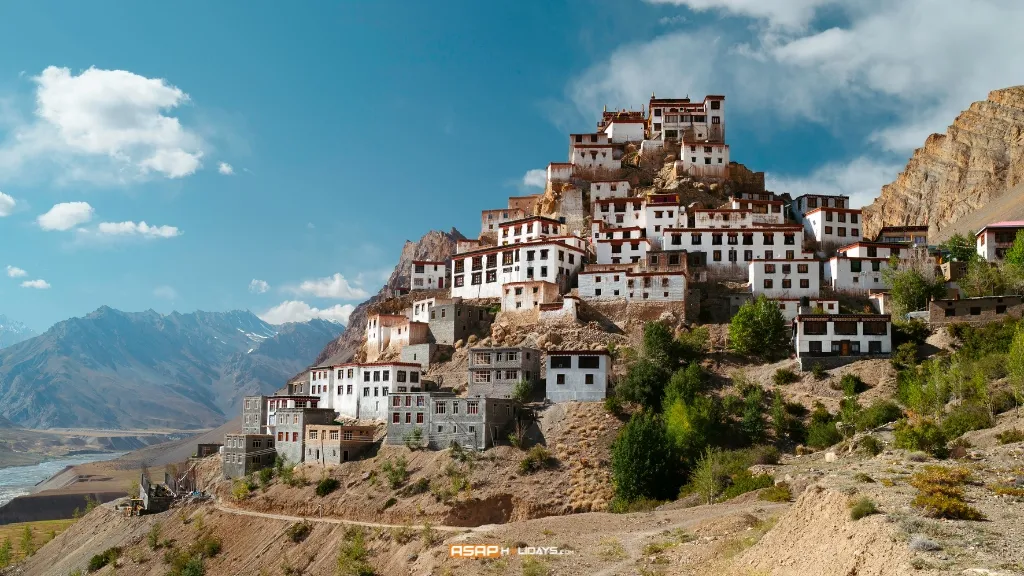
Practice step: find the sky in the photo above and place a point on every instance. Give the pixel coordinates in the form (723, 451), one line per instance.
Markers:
(275, 157)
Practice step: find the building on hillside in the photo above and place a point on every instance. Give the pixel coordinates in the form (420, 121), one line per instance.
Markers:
(494, 372)
(912, 235)
(793, 307)
(527, 205)
(780, 278)
(856, 275)
(953, 271)
(702, 159)
(207, 449)
(578, 375)
(360, 390)
(761, 211)
(863, 249)
(453, 320)
(478, 274)
(836, 339)
(565, 309)
(801, 205)
(621, 250)
(255, 415)
(529, 229)
(247, 453)
(607, 189)
(596, 156)
(833, 226)
(559, 172)
(881, 301)
(676, 118)
(655, 286)
(623, 126)
(438, 419)
(528, 296)
(603, 282)
(661, 211)
(737, 247)
(994, 240)
(390, 332)
(281, 401)
(427, 275)
(974, 310)
(335, 443)
(612, 213)
(291, 430)
(421, 354)
(490, 220)
(421, 309)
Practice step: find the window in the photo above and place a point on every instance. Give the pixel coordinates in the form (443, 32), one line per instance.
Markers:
(815, 328)
(787, 268)
(769, 268)
(874, 347)
(767, 283)
(814, 347)
(805, 283)
(875, 328)
(492, 276)
(366, 391)
(560, 379)
(400, 376)
(1001, 309)
(801, 268)
(950, 312)
(439, 408)
(787, 283)
(511, 374)
(716, 255)
(475, 280)
(876, 266)
(845, 328)
(589, 362)
(695, 239)
(414, 377)
(842, 232)
(455, 407)
(481, 376)
(397, 401)
(975, 311)
(748, 255)
(828, 229)
(396, 418)
(561, 362)
(419, 417)
(472, 407)
(295, 436)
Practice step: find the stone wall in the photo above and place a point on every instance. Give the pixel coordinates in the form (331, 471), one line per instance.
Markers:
(974, 310)
(292, 434)
(419, 354)
(807, 363)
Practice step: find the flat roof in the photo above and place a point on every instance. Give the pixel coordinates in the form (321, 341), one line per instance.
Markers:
(578, 353)
(832, 317)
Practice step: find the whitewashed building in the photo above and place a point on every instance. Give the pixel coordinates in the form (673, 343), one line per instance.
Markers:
(559, 172)
(596, 156)
(619, 212)
(605, 189)
(655, 286)
(761, 211)
(391, 332)
(603, 282)
(676, 118)
(863, 249)
(803, 204)
(790, 307)
(360, 390)
(621, 250)
(529, 229)
(661, 211)
(835, 339)
(779, 278)
(482, 273)
(421, 309)
(704, 159)
(737, 247)
(855, 275)
(578, 375)
(994, 240)
(833, 225)
(490, 220)
(428, 275)
(526, 296)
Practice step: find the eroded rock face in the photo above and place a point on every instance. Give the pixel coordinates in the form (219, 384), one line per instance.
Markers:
(978, 158)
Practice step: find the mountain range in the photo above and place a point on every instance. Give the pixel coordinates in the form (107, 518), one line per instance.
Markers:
(136, 370)
(12, 332)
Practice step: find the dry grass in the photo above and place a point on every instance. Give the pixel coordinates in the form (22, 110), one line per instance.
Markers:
(941, 493)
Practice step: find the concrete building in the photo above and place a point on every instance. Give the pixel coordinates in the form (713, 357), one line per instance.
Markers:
(856, 275)
(529, 229)
(420, 354)
(626, 129)
(910, 235)
(453, 320)
(655, 286)
(494, 372)
(281, 401)
(559, 172)
(737, 247)
(427, 275)
(974, 310)
(679, 119)
(791, 307)
(421, 309)
(528, 296)
(994, 240)
(607, 189)
(703, 159)
(441, 418)
(801, 205)
(833, 226)
(834, 340)
(478, 274)
(490, 220)
(621, 250)
(360, 390)
(780, 278)
(334, 444)
(379, 328)
(603, 282)
(761, 211)
(863, 249)
(247, 453)
(596, 157)
(581, 375)
(255, 415)
(291, 429)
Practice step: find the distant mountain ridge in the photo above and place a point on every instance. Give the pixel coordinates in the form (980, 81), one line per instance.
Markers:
(113, 369)
(12, 332)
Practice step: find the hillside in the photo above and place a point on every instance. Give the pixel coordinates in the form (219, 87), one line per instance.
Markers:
(113, 369)
(12, 332)
(974, 164)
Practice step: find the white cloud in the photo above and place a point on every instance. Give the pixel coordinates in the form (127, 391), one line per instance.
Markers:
(225, 169)
(310, 226)
(298, 311)
(335, 286)
(104, 125)
(15, 272)
(140, 229)
(37, 284)
(65, 216)
(860, 179)
(536, 178)
(7, 205)
(258, 286)
(777, 12)
(165, 292)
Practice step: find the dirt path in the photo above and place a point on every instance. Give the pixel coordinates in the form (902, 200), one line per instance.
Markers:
(240, 512)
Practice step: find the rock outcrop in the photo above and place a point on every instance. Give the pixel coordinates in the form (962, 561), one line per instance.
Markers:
(975, 162)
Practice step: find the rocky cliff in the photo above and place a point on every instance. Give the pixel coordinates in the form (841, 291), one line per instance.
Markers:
(434, 245)
(977, 160)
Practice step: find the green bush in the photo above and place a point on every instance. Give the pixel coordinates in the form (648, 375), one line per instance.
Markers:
(759, 329)
(396, 471)
(538, 458)
(852, 385)
(194, 567)
(1002, 401)
(299, 531)
(208, 546)
(153, 537)
(965, 418)
(613, 405)
(871, 445)
(878, 413)
(353, 554)
(905, 356)
(108, 556)
(862, 507)
(819, 371)
(326, 486)
(644, 461)
(922, 435)
(744, 482)
(1010, 436)
(413, 439)
(909, 331)
(644, 384)
(780, 492)
(823, 434)
(784, 376)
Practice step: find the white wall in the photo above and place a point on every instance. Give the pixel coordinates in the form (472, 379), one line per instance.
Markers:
(625, 131)
(595, 156)
(683, 239)
(701, 155)
(803, 277)
(559, 172)
(603, 285)
(603, 190)
(621, 251)
(545, 264)
(432, 277)
(570, 384)
(791, 308)
(840, 273)
(656, 287)
(421, 309)
(862, 340)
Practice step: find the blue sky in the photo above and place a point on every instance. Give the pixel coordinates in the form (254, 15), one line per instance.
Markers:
(279, 155)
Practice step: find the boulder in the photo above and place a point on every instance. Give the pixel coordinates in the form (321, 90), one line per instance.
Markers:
(458, 344)
(830, 456)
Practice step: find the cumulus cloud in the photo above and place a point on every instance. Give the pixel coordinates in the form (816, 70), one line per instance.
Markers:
(7, 205)
(140, 229)
(860, 179)
(104, 125)
(779, 13)
(37, 284)
(65, 216)
(298, 311)
(335, 286)
(165, 292)
(258, 286)
(15, 272)
(225, 169)
(536, 178)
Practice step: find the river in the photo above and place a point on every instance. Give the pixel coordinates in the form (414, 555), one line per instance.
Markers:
(19, 480)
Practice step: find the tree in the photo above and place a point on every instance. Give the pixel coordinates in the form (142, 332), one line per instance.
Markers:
(707, 476)
(28, 547)
(1015, 254)
(644, 384)
(685, 384)
(1015, 366)
(644, 463)
(660, 346)
(982, 279)
(961, 248)
(759, 328)
(911, 285)
(522, 391)
(691, 425)
(6, 553)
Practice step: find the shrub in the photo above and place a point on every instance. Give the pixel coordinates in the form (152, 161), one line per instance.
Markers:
(1002, 401)
(909, 331)
(784, 376)
(878, 413)
(413, 439)
(744, 482)
(862, 477)
(613, 404)
(644, 384)
(108, 556)
(208, 546)
(941, 494)
(326, 486)
(823, 434)
(396, 471)
(851, 384)
(923, 435)
(522, 391)
(536, 459)
(905, 356)
(1010, 436)
(418, 487)
(871, 445)
(643, 460)
(402, 534)
(534, 567)
(265, 476)
(353, 554)
(862, 507)
(758, 329)
(619, 506)
(153, 538)
(818, 371)
(389, 503)
(6, 553)
(241, 488)
(299, 531)
(777, 493)
(941, 506)
(964, 418)
(194, 567)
